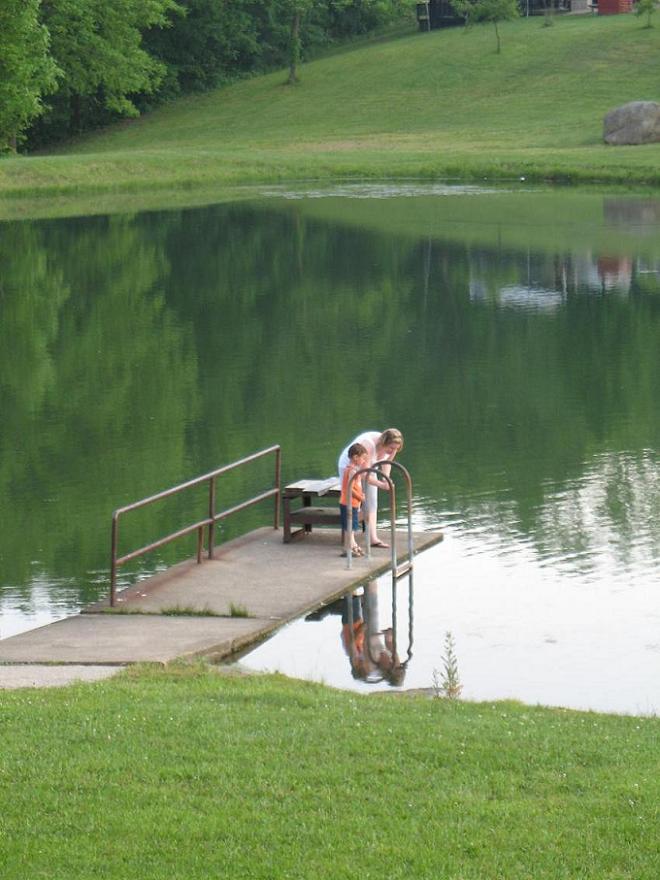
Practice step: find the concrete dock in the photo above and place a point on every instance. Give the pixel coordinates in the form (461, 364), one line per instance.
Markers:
(196, 610)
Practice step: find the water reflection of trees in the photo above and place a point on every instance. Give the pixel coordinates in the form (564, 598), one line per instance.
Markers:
(141, 350)
(609, 513)
(97, 386)
(532, 395)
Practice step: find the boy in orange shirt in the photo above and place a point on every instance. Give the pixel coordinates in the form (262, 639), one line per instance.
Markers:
(358, 457)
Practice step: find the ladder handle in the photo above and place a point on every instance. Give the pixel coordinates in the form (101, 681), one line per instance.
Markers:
(374, 469)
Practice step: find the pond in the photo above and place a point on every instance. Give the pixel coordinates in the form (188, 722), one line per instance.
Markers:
(511, 333)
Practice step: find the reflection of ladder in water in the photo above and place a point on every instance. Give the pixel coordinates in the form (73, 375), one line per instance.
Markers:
(377, 658)
(398, 571)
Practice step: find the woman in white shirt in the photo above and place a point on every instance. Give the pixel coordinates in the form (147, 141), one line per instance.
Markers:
(380, 445)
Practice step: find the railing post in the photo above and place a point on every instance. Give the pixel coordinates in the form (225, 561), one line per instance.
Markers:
(211, 516)
(113, 559)
(278, 486)
(200, 544)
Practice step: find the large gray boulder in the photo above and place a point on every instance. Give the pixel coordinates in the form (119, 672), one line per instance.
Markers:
(635, 123)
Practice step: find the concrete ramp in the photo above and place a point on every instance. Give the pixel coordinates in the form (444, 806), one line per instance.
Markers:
(193, 610)
(118, 639)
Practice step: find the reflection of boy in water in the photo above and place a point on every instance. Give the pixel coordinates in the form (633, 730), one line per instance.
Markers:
(353, 635)
(370, 650)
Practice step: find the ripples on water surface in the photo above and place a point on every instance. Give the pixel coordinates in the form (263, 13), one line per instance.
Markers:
(512, 334)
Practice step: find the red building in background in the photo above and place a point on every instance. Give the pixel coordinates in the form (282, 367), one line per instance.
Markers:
(614, 7)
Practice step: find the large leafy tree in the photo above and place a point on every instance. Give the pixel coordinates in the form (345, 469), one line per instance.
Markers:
(295, 10)
(210, 43)
(216, 41)
(98, 46)
(121, 56)
(321, 21)
(26, 69)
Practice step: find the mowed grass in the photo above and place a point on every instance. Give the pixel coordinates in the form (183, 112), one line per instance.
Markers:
(433, 105)
(186, 773)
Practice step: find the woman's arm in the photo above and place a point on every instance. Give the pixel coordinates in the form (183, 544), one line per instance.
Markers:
(374, 481)
(385, 470)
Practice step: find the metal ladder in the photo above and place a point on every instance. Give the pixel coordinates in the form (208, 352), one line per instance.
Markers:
(398, 571)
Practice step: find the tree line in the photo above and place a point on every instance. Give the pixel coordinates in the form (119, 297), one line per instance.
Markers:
(68, 66)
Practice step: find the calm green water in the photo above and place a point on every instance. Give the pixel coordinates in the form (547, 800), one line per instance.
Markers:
(513, 336)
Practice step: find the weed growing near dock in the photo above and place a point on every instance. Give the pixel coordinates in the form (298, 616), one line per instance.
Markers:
(180, 611)
(446, 682)
(189, 611)
(236, 610)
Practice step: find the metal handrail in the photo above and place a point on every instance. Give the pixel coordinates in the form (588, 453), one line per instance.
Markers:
(208, 522)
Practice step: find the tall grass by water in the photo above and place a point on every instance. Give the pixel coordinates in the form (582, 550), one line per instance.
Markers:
(442, 104)
(182, 772)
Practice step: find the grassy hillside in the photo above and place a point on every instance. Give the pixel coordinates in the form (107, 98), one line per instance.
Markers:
(428, 105)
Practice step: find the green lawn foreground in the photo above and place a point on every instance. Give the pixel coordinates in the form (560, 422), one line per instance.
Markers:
(433, 105)
(186, 773)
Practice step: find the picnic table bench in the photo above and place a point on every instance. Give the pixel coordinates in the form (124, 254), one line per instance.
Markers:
(307, 514)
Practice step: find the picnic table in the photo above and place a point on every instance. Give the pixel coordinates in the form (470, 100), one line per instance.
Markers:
(309, 514)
